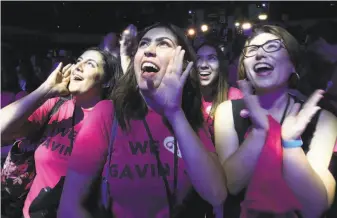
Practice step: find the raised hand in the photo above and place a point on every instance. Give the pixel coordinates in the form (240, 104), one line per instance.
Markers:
(128, 40)
(166, 98)
(58, 81)
(296, 121)
(257, 114)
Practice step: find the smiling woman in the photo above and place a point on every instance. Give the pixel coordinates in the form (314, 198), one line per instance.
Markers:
(85, 81)
(279, 157)
(159, 141)
(212, 70)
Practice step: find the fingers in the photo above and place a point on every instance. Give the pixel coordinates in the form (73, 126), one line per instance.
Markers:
(314, 98)
(245, 87)
(175, 59)
(295, 109)
(180, 61)
(58, 68)
(310, 108)
(244, 113)
(67, 70)
(186, 72)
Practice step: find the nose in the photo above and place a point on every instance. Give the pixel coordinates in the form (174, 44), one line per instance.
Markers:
(260, 53)
(79, 66)
(203, 64)
(150, 51)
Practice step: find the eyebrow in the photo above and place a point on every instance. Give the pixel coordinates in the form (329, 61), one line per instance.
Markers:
(80, 58)
(158, 39)
(207, 55)
(266, 42)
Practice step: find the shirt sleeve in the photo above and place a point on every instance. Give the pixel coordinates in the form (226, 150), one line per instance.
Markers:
(206, 139)
(40, 115)
(91, 144)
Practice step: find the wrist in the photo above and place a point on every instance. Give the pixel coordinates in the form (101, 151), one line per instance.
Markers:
(296, 143)
(46, 90)
(259, 132)
(172, 115)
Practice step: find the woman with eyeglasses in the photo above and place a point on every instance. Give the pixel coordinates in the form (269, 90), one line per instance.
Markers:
(304, 135)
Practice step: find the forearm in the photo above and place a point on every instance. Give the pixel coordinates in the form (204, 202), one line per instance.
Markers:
(204, 171)
(15, 115)
(240, 166)
(304, 182)
(73, 211)
(125, 62)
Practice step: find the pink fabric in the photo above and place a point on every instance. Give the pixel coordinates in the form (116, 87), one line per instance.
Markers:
(267, 190)
(53, 154)
(137, 189)
(233, 94)
(335, 148)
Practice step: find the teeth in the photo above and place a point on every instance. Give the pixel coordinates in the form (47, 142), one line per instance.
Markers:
(205, 73)
(263, 65)
(148, 64)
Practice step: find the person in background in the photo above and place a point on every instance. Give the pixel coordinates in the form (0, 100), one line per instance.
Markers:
(88, 81)
(237, 46)
(27, 79)
(110, 44)
(213, 74)
(10, 92)
(128, 45)
(270, 58)
(161, 147)
(322, 57)
(321, 46)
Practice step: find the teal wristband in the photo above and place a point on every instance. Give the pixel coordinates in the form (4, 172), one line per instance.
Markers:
(292, 143)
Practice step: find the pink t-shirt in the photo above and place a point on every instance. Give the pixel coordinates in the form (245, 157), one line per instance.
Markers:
(233, 94)
(136, 187)
(52, 155)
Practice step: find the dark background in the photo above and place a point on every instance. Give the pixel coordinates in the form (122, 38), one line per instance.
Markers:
(101, 17)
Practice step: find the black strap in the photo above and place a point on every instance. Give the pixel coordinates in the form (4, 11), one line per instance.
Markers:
(38, 135)
(106, 196)
(285, 110)
(241, 124)
(171, 196)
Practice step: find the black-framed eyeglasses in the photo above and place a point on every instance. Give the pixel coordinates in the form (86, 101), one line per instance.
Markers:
(269, 47)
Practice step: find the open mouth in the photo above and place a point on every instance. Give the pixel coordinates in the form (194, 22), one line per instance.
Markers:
(204, 73)
(148, 67)
(77, 78)
(261, 68)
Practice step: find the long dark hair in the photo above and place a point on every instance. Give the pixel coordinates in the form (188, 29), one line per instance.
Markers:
(129, 104)
(220, 88)
(112, 70)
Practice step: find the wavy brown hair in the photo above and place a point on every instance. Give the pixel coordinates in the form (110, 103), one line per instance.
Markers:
(290, 43)
(220, 86)
(130, 105)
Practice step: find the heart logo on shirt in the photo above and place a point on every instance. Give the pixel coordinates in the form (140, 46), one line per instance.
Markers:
(169, 145)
